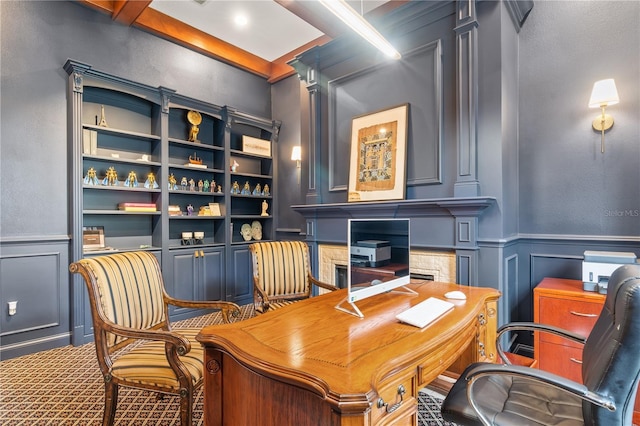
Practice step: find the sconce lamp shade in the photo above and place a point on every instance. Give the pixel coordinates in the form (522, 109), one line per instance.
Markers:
(604, 93)
(296, 154)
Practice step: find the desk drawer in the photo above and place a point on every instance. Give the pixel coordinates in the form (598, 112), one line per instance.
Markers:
(575, 315)
(396, 403)
(565, 361)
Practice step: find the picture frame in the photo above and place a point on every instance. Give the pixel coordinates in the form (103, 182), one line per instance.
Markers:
(93, 238)
(377, 167)
(215, 209)
(255, 146)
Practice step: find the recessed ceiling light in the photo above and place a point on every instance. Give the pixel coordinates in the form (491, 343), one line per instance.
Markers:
(241, 20)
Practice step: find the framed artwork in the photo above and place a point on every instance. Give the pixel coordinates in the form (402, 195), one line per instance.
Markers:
(93, 238)
(378, 160)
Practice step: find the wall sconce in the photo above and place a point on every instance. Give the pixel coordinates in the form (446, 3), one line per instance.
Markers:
(604, 94)
(296, 155)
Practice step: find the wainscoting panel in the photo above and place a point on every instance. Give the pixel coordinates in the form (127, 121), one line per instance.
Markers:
(554, 265)
(34, 274)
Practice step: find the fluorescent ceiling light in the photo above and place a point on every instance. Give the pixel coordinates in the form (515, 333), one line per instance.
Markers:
(360, 25)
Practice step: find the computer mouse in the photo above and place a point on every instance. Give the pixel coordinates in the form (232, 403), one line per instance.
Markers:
(455, 294)
(376, 282)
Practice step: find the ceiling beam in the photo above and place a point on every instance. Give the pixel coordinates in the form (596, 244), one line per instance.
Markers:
(127, 11)
(192, 38)
(138, 13)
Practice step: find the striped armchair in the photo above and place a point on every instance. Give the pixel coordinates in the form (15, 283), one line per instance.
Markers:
(129, 307)
(281, 274)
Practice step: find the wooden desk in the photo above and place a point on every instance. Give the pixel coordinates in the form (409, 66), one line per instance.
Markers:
(310, 364)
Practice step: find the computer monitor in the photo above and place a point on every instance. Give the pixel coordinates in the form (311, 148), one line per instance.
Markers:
(378, 259)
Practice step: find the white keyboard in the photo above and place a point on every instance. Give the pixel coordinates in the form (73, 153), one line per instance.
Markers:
(425, 312)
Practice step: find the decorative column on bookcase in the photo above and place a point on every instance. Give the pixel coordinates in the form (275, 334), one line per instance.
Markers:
(165, 99)
(467, 184)
(76, 72)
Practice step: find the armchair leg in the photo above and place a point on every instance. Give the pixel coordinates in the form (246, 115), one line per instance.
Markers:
(186, 407)
(110, 403)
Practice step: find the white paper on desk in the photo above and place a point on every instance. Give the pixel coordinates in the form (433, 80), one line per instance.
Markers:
(425, 312)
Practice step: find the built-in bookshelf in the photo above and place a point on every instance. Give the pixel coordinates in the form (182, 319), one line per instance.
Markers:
(153, 170)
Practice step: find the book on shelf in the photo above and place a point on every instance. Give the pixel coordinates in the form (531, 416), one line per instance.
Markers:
(137, 207)
(89, 142)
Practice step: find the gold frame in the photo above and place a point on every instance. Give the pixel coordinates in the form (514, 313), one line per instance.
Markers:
(377, 168)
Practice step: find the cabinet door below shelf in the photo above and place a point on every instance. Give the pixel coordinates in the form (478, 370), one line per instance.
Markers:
(197, 274)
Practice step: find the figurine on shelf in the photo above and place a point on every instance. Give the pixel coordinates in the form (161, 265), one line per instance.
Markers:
(213, 185)
(195, 119)
(219, 189)
(151, 183)
(235, 188)
(234, 166)
(245, 231)
(189, 210)
(205, 186)
(257, 190)
(173, 183)
(265, 206)
(265, 190)
(246, 189)
(132, 180)
(256, 230)
(91, 178)
(200, 185)
(192, 185)
(103, 119)
(184, 183)
(111, 179)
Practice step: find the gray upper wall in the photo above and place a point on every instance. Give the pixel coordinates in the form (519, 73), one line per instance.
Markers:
(36, 39)
(558, 181)
(567, 187)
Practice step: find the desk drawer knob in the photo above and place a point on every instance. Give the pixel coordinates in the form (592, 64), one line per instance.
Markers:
(391, 408)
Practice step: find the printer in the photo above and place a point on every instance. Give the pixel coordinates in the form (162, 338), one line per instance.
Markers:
(373, 253)
(598, 266)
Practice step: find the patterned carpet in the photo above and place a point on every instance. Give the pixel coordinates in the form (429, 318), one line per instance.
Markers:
(63, 387)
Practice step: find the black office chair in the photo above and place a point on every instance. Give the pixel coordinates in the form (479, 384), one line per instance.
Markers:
(496, 394)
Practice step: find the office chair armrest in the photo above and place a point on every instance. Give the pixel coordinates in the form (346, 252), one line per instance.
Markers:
(322, 284)
(229, 309)
(533, 326)
(533, 374)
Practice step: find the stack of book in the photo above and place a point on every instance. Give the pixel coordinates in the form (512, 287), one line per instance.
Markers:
(137, 207)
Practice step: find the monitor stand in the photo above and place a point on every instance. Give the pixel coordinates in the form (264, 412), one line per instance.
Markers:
(354, 309)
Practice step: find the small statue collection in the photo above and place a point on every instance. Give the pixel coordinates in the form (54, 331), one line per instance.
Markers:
(111, 179)
(258, 190)
(192, 186)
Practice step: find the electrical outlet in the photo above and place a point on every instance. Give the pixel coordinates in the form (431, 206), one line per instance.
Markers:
(13, 307)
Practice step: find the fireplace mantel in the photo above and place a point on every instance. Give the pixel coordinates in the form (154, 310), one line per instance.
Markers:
(449, 224)
(460, 206)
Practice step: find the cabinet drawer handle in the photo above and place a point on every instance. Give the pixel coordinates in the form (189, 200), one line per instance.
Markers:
(577, 361)
(391, 408)
(580, 314)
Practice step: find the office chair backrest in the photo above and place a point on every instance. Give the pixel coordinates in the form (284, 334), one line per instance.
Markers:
(127, 289)
(281, 267)
(611, 354)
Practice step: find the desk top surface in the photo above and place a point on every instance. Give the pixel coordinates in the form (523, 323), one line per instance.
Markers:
(312, 342)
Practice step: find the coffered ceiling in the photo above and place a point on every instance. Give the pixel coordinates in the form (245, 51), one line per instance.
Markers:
(274, 31)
